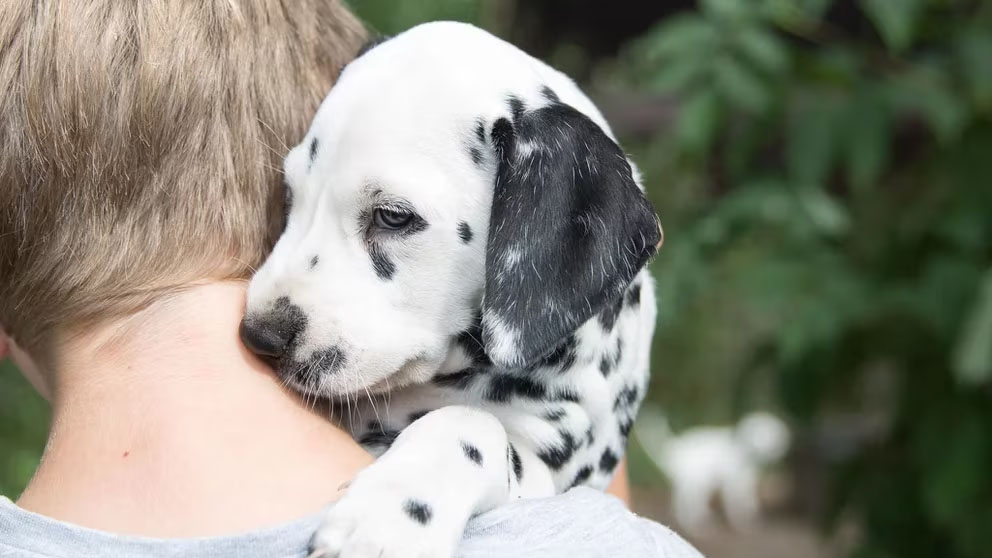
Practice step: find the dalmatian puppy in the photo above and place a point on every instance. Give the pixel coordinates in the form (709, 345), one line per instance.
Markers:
(462, 274)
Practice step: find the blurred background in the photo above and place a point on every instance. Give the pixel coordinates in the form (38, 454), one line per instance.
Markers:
(823, 171)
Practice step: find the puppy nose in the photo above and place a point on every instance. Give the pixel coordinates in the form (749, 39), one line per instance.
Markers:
(264, 339)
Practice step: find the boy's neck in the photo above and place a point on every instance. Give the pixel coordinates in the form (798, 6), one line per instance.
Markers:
(166, 426)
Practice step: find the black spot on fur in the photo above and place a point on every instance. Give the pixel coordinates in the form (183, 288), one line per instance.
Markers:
(502, 137)
(287, 201)
(608, 316)
(313, 149)
(626, 399)
(464, 232)
(556, 455)
(582, 476)
(304, 378)
(633, 296)
(625, 426)
(590, 437)
(471, 341)
(476, 155)
(374, 425)
(383, 266)
(608, 461)
(314, 261)
(503, 386)
(516, 107)
(480, 130)
(608, 363)
(605, 365)
(562, 394)
(414, 417)
(563, 356)
(554, 415)
(307, 372)
(518, 465)
(384, 438)
(549, 94)
(472, 453)
(460, 380)
(418, 511)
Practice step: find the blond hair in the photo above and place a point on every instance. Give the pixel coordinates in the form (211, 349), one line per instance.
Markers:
(140, 144)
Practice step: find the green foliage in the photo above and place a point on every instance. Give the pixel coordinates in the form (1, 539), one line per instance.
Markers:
(973, 352)
(895, 20)
(827, 193)
(389, 17)
(23, 425)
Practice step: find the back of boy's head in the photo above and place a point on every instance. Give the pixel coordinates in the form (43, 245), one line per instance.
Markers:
(140, 146)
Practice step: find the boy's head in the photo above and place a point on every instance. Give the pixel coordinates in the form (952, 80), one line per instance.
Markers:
(140, 145)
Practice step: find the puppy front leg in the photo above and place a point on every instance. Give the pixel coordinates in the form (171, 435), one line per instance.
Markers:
(415, 500)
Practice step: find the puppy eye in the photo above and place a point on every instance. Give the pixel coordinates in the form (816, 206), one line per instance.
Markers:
(391, 219)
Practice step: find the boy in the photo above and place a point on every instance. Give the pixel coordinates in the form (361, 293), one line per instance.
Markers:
(139, 148)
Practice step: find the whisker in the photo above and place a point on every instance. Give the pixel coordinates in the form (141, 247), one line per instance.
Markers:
(372, 403)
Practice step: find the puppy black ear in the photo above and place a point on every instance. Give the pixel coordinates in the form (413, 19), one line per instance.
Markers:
(569, 229)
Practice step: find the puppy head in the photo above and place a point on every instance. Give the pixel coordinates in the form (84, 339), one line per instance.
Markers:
(430, 191)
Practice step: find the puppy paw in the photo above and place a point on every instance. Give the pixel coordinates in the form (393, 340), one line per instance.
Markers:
(378, 522)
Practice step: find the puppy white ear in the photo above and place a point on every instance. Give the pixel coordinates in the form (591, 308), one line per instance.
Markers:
(569, 229)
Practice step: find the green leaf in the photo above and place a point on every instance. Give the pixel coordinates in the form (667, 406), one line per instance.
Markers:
(895, 20)
(678, 75)
(681, 36)
(925, 92)
(677, 52)
(739, 85)
(811, 136)
(763, 48)
(826, 214)
(972, 357)
(958, 470)
(794, 13)
(866, 140)
(838, 65)
(728, 9)
(391, 17)
(698, 120)
(973, 48)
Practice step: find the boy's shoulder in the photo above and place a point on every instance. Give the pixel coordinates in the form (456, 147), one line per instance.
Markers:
(579, 523)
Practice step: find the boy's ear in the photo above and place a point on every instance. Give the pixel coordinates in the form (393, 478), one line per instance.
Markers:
(25, 364)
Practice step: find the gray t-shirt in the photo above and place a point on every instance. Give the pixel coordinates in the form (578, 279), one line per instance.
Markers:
(581, 523)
